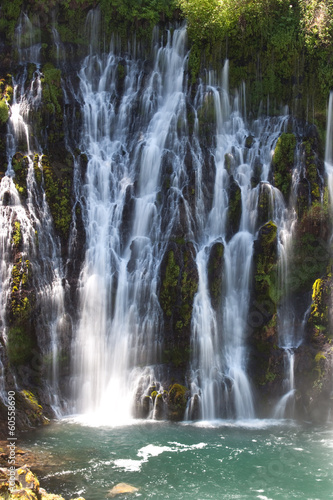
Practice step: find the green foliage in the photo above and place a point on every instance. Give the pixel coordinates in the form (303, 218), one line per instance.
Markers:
(142, 15)
(10, 11)
(317, 23)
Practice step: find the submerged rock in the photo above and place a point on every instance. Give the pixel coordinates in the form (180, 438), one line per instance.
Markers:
(122, 488)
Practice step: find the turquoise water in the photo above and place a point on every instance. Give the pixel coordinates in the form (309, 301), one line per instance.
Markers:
(221, 460)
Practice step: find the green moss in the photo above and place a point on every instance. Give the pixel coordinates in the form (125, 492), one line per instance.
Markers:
(17, 235)
(168, 293)
(52, 91)
(265, 266)
(177, 400)
(283, 161)
(319, 315)
(10, 11)
(19, 345)
(311, 169)
(176, 355)
(58, 193)
(153, 395)
(4, 114)
(28, 402)
(37, 170)
(207, 119)
(189, 287)
(311, 253)
(265, 209)
(20, 165)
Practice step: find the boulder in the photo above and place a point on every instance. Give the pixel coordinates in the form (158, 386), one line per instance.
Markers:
(122, 488)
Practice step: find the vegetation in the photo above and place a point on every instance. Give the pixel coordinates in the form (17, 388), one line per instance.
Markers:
(58, 191)
(265, 272)
(283, 162)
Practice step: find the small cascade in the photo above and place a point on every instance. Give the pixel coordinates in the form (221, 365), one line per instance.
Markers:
(285, 408)
(28, 40)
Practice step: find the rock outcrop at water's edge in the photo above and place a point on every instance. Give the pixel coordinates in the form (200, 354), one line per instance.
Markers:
(22, 484)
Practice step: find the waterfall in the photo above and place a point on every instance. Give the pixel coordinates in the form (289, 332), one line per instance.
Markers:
(27, 231)
(163, 175)
(118, 335)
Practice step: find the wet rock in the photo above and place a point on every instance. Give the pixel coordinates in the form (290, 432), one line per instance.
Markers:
(265, 203)
(121, 488)
(179, 284)
(215, 272)
(283, 161)
(177, 401)
(234, 209)
(249, 141)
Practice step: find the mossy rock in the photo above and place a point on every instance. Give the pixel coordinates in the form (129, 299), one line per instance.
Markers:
(27, 402)
(234, 209)
(312, 168)
(265, 203)
(51, 89)
(4, 112)
(321, 309)
(20, 165)
(265, 267)
(207, 120)
(311, 250)
(58, 187)
(22, 296)
(283, 162)
(168, 294)
(17, 235)
(215, 272)
(177, 401)
(19, 345)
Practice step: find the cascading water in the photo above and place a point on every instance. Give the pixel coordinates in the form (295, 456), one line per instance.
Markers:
(27, 229)
(118, 331)
(166, 171)
(220, 385)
